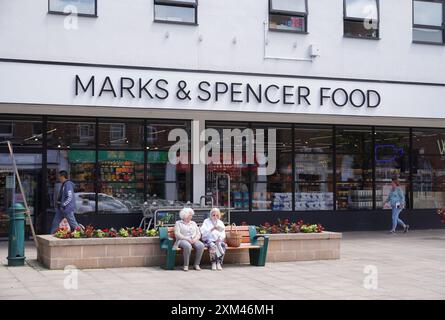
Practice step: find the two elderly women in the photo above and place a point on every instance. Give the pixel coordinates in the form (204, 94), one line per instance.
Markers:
(212, 232)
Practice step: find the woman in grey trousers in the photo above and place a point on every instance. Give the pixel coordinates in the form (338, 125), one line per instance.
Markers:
(187, 237)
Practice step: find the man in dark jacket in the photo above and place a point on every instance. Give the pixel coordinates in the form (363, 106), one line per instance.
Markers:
(66, 203)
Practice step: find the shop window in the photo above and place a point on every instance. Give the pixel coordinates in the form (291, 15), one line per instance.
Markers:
(391, 153)
(429, 141)
(354, 182)
(429, 181)
(117, 134)
(428, 26)
(86, 132)
(176, 11)
(361, 19)
(158, 135)
(71, 133)
(6, 129)
(237, 167)
(121, 181)
(353, 140)
(314, 196)
(288, 15)
(128, 135)
(30, 167)
(274, 190)
(166, 193)
(313, 139)
(21, 132)
(79, 7)
(168, 181)
(354, 168)
(80, 165)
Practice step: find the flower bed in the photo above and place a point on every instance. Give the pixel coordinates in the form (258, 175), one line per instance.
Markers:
(90, 232)
(285, 226)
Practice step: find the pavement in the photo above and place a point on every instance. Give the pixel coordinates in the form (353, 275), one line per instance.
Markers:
(373, 265)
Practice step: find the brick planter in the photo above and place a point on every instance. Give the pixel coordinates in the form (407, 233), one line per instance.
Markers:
(139, 252)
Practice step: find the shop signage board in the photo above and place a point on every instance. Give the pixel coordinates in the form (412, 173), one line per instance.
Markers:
(95, 86)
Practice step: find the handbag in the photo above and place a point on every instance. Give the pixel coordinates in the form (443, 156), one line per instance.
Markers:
(233, 238)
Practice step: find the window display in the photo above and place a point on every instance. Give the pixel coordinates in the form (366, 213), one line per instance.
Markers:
(314, 196)
(272, 196)
(121, 188)
(354, 196)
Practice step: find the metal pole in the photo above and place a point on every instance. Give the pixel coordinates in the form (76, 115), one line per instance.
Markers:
(25, 202)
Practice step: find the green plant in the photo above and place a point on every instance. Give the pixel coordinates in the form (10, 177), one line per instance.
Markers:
(78, 233)
(62, 233)
(152, 232)
(99, 233)
(123, 232)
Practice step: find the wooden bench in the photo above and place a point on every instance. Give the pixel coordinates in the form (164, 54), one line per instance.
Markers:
(257, 250)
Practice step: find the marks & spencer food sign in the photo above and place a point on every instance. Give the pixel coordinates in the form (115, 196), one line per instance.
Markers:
(281, 93)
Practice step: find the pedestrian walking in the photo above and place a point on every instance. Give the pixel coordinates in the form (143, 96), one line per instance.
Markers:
(396, 199)
(66, 203)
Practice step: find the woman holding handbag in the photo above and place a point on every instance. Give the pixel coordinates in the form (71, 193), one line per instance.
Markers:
(396, 199)
(213, 234)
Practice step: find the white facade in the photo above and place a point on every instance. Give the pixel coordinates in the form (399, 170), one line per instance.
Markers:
(230, 44)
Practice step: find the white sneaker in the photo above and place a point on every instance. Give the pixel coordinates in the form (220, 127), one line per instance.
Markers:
(186, 268)
(197, 268)
(213, 266)
(219, 266)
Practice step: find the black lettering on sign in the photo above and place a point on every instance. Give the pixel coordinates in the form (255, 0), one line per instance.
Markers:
(85, 89)
(126, 87)
(107, 87)
(207, 93)
(161, 88)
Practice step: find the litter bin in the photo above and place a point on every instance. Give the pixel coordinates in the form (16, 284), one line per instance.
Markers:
(16, 248)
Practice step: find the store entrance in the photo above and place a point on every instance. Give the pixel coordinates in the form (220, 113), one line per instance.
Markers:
(30, 168)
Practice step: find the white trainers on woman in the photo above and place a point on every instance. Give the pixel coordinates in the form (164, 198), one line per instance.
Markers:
(213, 266)
(219, 266)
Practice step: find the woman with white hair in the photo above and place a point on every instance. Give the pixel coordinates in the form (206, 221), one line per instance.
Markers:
(213, 234)
(187, 237)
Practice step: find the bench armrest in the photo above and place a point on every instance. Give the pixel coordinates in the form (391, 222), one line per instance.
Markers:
(259, 236)
(167, 243)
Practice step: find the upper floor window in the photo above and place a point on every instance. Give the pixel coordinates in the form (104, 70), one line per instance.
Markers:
(176, 11)
(288, 15)
(361, 19)
(79, 7)
(428, 25)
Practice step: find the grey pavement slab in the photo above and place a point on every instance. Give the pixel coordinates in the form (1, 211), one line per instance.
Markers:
(373, 265)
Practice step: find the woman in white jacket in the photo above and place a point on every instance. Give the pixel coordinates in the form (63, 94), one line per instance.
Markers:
(213, 234)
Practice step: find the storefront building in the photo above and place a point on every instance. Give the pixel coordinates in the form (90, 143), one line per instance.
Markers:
(354, 96)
